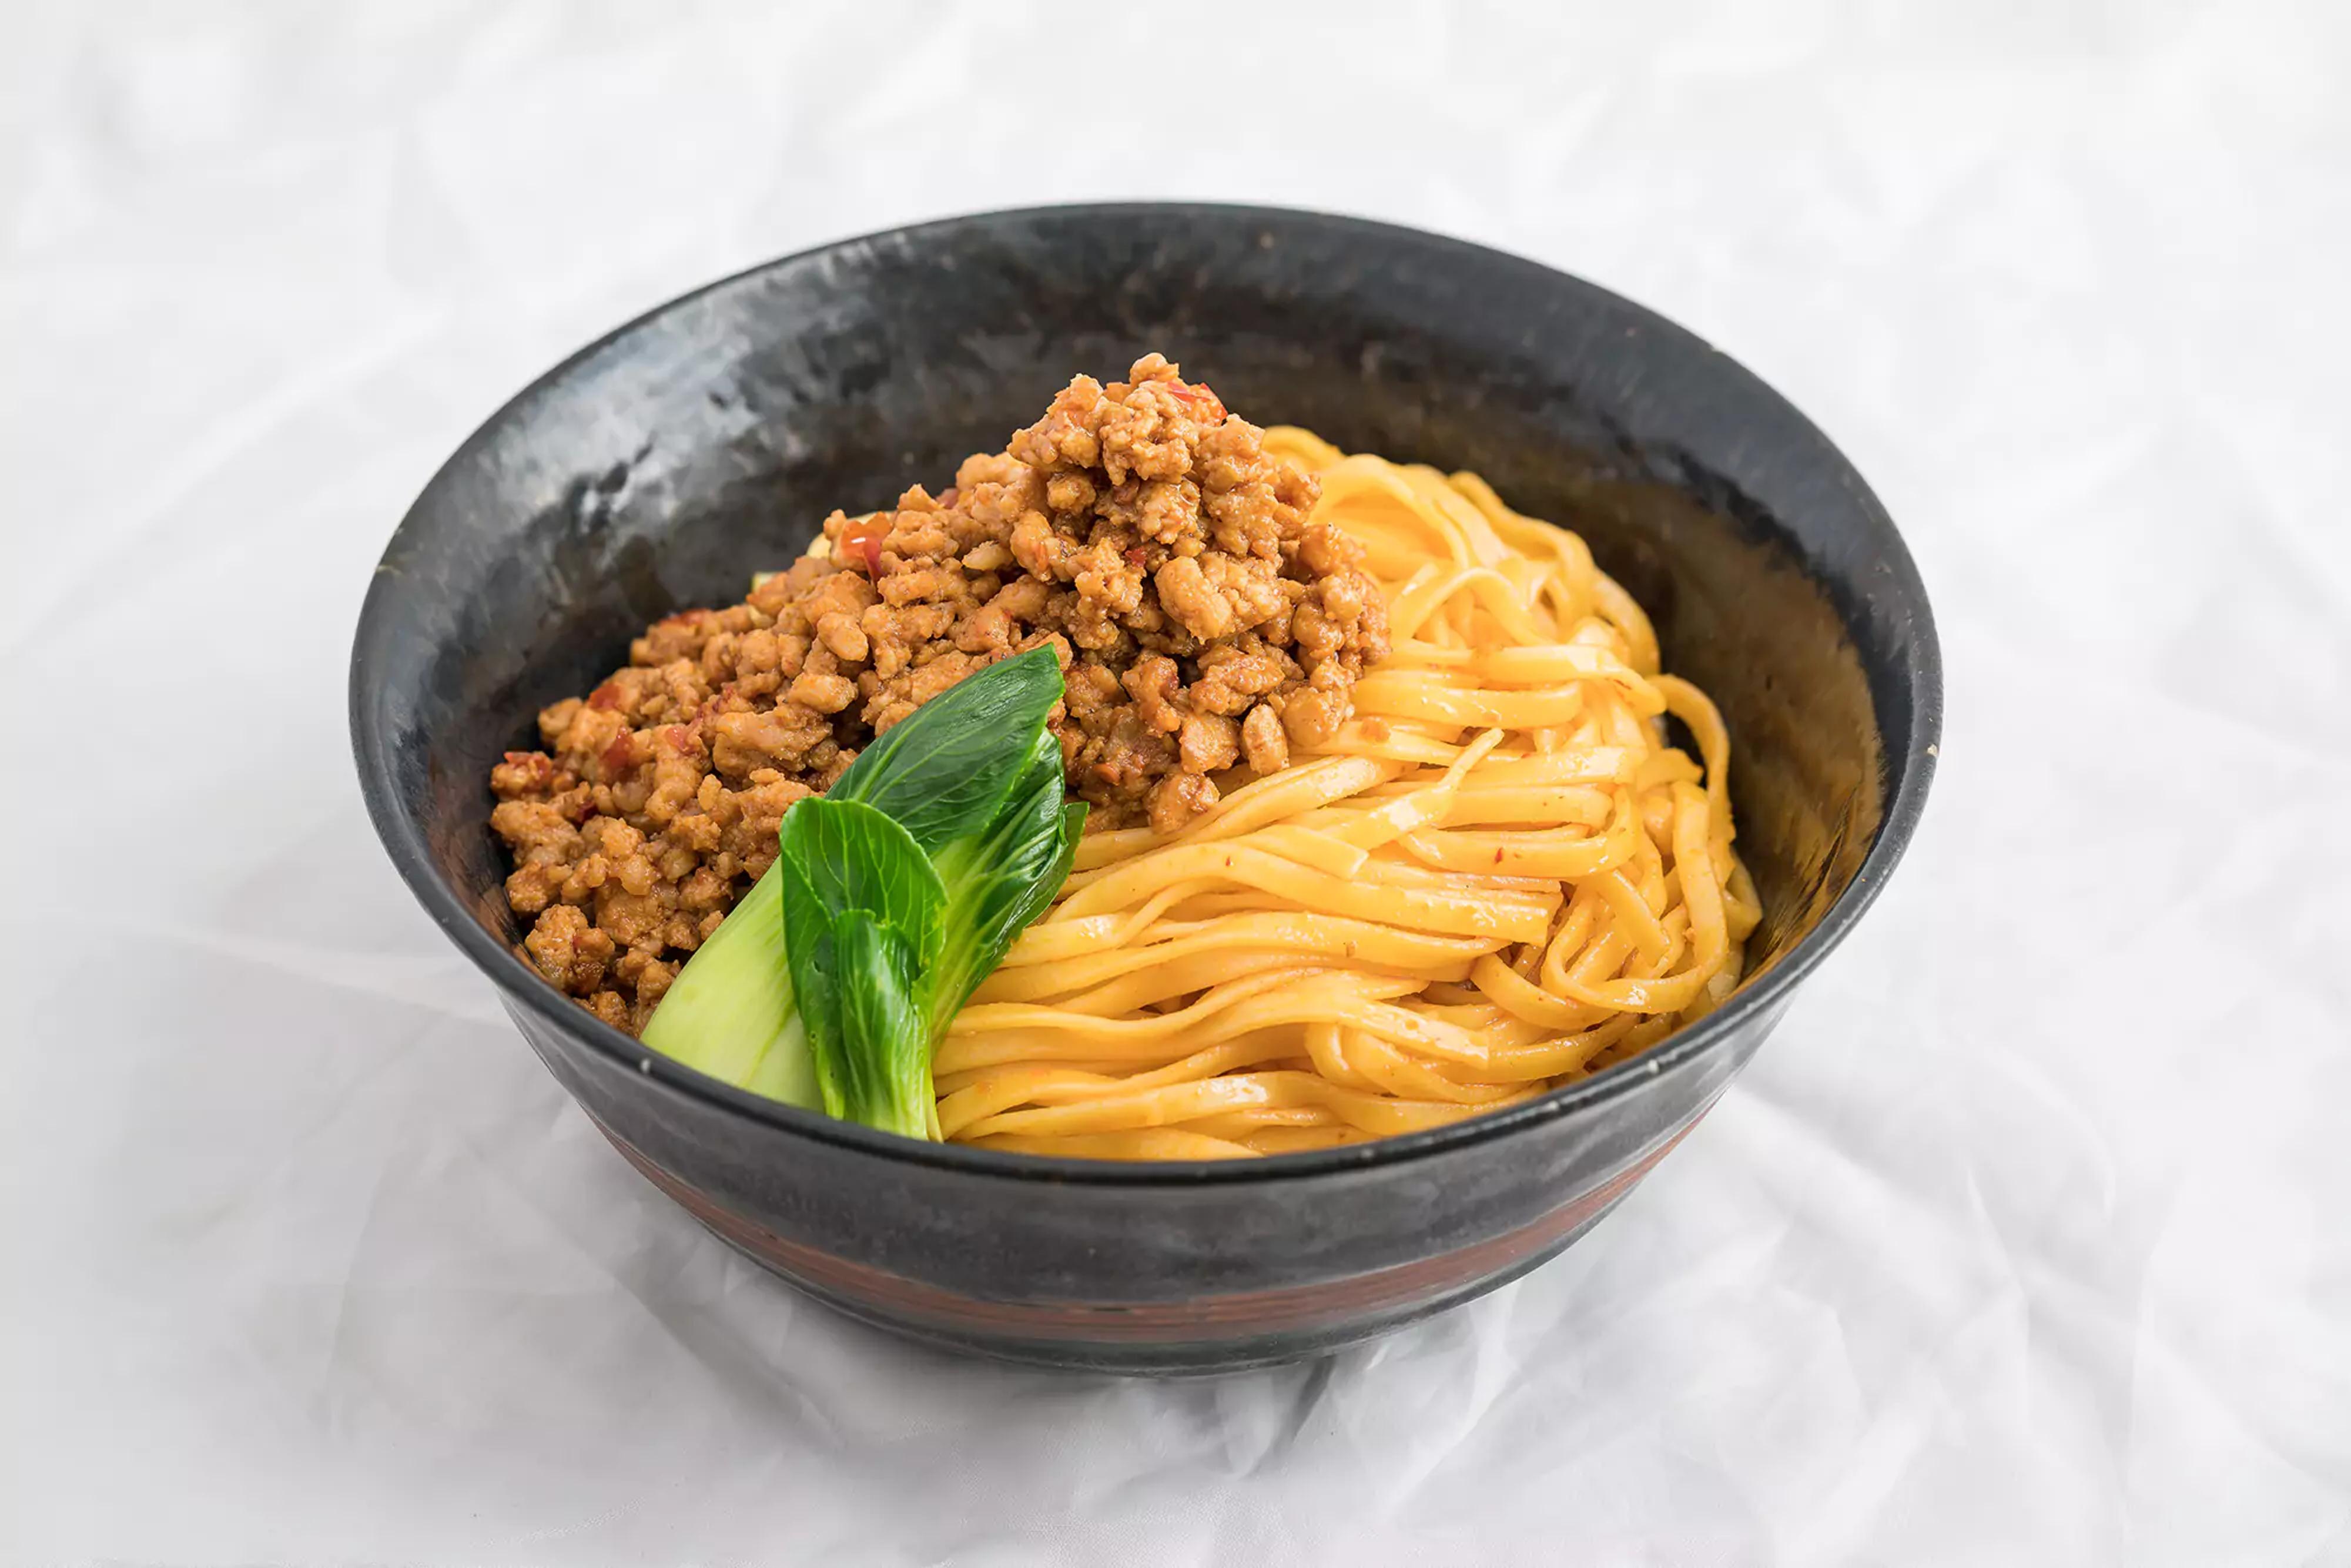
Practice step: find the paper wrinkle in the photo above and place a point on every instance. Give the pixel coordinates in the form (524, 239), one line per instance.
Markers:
(2021, 1242)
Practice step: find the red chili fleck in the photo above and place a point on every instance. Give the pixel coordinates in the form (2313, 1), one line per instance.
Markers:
(861, 540)
(607, 695)
(620, 756)
(680, 739)
(518, 758)
(1136, 557)
(1498, 857)
(947, 496)
(1189, 394)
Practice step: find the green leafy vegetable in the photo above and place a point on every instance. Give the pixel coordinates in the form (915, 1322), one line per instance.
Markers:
(893, 897)
(867, 1041)
(944, 770)
(852, 874)
(851, 856)
(1001, 878)
(730, 1012)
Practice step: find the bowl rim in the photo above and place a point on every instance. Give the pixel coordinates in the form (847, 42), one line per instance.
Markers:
(401, 831)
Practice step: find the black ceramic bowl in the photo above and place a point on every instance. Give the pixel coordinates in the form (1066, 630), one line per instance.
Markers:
(659, 468)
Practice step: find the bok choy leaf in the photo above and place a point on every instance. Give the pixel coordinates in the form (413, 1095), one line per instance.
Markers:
(893, 897)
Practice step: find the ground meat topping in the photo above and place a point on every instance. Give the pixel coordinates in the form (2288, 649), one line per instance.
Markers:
(1202, 626)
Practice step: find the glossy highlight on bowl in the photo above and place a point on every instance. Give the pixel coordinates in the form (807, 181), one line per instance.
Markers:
(658, 467)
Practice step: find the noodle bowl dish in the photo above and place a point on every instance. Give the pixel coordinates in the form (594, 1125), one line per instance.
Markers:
(1154, 788)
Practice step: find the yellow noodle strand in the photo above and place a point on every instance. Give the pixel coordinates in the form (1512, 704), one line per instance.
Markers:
(1496, 878)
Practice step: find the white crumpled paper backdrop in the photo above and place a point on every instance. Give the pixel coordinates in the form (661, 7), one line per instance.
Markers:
(2028, 1240)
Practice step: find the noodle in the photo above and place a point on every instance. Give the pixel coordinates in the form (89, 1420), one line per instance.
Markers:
(1497, 878)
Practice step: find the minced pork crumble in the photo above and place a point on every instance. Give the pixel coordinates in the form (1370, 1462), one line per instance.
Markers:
(1202, 624)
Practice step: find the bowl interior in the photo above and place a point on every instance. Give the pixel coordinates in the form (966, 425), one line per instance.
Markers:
(661, 467)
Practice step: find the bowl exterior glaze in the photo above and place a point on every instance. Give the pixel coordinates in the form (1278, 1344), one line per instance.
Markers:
(1200, 1276)
(657, 468)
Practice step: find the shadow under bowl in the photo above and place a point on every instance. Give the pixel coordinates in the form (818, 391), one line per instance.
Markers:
(657, 468)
